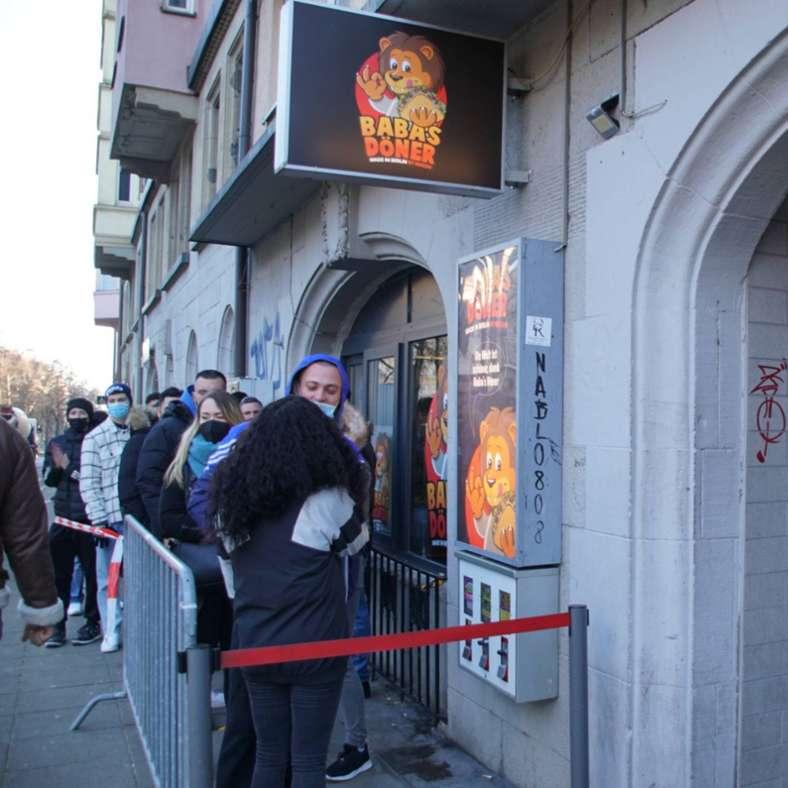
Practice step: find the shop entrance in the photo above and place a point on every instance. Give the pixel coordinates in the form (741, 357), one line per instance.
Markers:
(396, 357)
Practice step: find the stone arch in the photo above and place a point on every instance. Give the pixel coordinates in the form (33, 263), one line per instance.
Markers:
(328, 307)
(224, 350)
(192, 359)
(689, 425)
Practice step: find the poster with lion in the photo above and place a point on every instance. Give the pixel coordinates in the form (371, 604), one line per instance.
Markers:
(487, 418)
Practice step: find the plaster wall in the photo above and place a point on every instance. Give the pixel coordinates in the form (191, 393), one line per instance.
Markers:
(765, 635)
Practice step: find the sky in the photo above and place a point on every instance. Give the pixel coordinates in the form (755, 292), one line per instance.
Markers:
(50, 53)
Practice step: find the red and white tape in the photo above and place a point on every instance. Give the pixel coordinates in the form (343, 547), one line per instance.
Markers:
(107, 533)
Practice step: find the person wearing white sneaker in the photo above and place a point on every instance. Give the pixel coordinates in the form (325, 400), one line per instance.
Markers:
(98, 485)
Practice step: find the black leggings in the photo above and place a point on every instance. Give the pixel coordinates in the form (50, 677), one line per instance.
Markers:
(293, 724)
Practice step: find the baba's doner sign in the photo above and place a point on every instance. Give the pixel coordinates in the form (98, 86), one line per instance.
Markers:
(384, 101)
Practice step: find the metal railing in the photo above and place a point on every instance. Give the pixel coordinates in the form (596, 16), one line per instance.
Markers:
(407, 596)
(166, 674)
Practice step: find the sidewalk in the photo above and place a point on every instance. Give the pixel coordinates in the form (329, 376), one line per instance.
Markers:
(43, 690)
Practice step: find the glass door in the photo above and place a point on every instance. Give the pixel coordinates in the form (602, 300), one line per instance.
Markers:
(381, 374)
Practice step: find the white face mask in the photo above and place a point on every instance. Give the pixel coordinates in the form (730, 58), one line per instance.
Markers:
(328, 409)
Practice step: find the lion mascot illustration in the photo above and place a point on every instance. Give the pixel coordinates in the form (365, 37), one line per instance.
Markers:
(490, 486)
(382, 493)
(437, 428)
(410, 76)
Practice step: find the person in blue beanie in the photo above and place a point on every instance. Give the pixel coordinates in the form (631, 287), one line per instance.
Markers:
(98, 486)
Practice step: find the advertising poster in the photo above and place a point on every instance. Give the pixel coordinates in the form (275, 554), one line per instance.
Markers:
(385, 101)
(435, 460)
(487, 417)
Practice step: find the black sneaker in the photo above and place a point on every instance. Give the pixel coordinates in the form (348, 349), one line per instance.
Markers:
(367, 689)
(349, 763)
(57, 638)
(89, 633)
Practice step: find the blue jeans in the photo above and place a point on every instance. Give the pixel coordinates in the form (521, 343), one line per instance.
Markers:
(293, 724)
(361, 628)
(77, 578)
(103, 558)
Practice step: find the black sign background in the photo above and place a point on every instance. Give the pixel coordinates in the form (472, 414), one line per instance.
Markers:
(330, 45)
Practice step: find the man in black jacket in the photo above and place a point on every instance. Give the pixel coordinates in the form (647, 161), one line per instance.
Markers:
(65, 543)
(128, 494)
(161, 443)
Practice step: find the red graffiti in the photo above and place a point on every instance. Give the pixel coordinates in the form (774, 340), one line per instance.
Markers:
(770, 416)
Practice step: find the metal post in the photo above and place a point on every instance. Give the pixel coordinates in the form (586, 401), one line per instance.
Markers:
(198, 666)
(578, 695)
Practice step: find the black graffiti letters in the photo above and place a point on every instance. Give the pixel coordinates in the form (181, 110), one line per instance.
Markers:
(538, 476)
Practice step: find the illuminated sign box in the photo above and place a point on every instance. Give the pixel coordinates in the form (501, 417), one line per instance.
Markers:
(383, 101)
(509, 402)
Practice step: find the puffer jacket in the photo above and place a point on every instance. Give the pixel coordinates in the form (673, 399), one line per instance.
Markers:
(128, 492)
(158, 451)
(68, 502)
(23, 533)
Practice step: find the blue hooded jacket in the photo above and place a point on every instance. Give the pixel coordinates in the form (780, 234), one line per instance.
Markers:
(326, 359)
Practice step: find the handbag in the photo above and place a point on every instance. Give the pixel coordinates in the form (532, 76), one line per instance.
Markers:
(203, 560)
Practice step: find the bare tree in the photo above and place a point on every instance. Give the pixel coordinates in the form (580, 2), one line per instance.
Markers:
(40, 389)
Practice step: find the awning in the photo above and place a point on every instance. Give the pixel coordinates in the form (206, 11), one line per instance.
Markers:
(253, 201)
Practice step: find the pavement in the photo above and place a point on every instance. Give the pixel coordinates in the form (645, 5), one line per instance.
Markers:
(43, 690)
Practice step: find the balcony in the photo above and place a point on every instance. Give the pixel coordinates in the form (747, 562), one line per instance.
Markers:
(106, 302)
(152, 106)
(113, 226)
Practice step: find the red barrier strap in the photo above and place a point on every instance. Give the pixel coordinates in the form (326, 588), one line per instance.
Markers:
(344, 647)
(107, 533)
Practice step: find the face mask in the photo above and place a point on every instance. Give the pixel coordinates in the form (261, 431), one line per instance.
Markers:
(79, 424)
(328, 409)
(213, 431)
(118, 410)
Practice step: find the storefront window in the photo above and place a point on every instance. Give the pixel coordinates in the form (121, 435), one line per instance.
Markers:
(381, 391)
(429, 422)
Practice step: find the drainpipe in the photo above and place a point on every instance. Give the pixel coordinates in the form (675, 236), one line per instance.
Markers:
(137, 344)
(116, 371)
(242, 256)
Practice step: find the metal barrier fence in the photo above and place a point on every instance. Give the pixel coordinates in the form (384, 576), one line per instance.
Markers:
(166, 674)
(405, 597)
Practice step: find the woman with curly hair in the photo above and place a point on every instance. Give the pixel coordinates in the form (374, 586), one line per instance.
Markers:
(289, 502)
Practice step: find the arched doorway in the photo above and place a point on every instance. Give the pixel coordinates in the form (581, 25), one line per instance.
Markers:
(689, 419)
(396, 354)
(191, 359)
(224, 351)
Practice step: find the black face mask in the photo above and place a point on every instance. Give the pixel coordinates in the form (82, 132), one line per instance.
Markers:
(213, 431)
(79, 425)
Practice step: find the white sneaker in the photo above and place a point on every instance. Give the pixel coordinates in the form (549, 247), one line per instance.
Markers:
(75, 609)
(110, 643)
(217, 699)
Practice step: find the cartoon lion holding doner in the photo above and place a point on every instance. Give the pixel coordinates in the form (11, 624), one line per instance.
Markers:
(491, 488)
(410, 75)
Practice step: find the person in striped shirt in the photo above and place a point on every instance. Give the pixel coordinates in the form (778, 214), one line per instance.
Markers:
(98, 486)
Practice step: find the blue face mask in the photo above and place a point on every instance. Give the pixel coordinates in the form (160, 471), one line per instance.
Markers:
(328, 409)
(118, 410)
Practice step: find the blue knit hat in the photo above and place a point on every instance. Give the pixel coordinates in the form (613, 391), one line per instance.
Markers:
(119, 388)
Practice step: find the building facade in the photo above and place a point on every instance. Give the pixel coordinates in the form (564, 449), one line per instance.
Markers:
(674, 238)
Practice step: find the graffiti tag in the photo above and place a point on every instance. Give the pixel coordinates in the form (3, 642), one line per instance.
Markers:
(770, 416)
(267, 351)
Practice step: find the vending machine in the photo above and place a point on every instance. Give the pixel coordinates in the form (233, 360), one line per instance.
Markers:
(524, 666)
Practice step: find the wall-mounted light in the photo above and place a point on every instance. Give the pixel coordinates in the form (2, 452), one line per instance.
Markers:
(601, 119)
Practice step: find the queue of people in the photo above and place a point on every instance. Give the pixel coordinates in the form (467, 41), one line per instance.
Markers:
(269, 507)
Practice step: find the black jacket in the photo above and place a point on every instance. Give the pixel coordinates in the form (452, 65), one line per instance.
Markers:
(290, 582)
(67, 500)
(158, 451)
(128, 493)
(174, 521)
